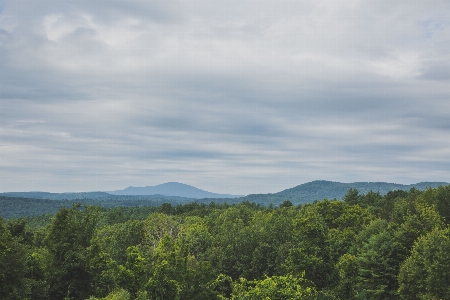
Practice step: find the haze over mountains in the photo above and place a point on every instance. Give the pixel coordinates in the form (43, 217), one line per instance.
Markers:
(18, 204)
(307, 192)
(172, 189)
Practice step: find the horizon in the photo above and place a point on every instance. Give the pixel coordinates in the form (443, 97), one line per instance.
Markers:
(234, 97)
(214, 192)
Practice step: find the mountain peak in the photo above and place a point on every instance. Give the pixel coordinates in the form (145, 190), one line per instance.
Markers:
(171, 189)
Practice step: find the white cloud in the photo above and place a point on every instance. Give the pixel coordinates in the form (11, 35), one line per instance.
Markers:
(230, 96)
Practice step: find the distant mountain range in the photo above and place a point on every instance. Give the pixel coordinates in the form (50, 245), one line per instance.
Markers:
(19, 204)
(321, 189)
(171, 189)
(307, 192)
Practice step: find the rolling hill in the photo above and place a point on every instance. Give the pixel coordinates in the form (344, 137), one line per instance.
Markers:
(321, 189)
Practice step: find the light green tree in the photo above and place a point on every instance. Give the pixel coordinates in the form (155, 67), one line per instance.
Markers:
(275, 287)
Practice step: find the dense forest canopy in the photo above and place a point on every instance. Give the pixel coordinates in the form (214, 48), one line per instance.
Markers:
(366, 246)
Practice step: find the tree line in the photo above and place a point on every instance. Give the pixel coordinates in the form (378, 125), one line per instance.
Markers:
(369, 246)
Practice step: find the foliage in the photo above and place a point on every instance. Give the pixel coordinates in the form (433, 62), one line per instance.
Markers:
(311, 251)
(348, 270)
(368, 246)
(12, 265)
(426, 273)
(276, 287)
(67, 240)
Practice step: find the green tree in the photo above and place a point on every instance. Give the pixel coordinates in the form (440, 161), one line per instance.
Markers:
(120, 294)
(330, 211)
(379, 259)
(36, 277)
(286, 203)
(269, 231)
(168, 271)
(352, 197)
(423, 221)
(67, 241)
(108, 250)
(115, 239)
(222, 285)
(348, 268)
(157, 225)
(387, 204)
(19, 231)
(234, 242)
(275, 287)
(195, 240)
(440, 198)
(12, 266)
(311, 253)
(426, 273)
(104, 271)
(133, 275)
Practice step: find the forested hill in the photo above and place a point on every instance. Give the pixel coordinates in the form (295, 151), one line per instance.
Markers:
(21, 204)
(16, 207)
(395, 246)
(322, 189)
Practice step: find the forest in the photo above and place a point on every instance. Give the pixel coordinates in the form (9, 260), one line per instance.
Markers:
(365, 246)
(24, 204)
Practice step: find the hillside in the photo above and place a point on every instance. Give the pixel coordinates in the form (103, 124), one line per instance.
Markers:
(321, 189)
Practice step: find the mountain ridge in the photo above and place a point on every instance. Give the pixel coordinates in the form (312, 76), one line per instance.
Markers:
(172, 189)
(19, 204)
(321, 189)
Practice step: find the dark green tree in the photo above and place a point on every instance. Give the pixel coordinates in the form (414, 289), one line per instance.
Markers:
(379, 259)
(67, 241)
(286, 203)
(12, 266)
(352, 197)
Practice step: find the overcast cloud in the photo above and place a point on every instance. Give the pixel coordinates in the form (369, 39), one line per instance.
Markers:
(230, 96)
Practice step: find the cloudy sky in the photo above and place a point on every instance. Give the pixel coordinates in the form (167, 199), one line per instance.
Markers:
(230, 96)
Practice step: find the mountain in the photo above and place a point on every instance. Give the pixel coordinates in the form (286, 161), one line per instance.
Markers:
(321, 189)
(171, 189)
(21, 204)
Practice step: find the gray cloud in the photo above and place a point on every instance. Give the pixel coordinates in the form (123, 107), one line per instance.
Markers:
(230, 96)
(437, 71)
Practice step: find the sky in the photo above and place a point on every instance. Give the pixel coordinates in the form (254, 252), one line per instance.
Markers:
(233, 97)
